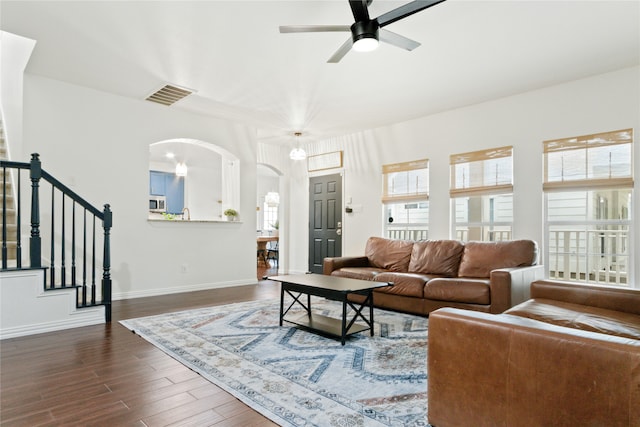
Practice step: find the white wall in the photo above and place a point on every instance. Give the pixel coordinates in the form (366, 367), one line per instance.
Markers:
(98, 144)
(27, 309)
(15, 52)
(597, 104)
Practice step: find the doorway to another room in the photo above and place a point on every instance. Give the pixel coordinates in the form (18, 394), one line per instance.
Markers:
(267, 222)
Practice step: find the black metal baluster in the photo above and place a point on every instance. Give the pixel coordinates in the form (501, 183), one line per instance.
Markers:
(18, 224)
(73, 243)
(93, 265)
(63, 267)
(35, 250)
(53, 234)
(106, 263)
(84, 259)
(4, 218)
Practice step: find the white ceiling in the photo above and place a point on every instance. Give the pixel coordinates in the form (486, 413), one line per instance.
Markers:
(242, 68)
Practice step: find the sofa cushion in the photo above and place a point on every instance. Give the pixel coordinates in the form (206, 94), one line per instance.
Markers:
(604, 296)
(407, 284)
(471, 291)
(577, 316)
(393, 255)
(441, 257)
(479, 258)
(363, 273)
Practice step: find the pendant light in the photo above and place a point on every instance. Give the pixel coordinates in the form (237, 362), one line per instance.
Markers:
(272, 199)
(181, 169)
(297, 153)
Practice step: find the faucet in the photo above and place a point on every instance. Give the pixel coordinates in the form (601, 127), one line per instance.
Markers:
(188, 214)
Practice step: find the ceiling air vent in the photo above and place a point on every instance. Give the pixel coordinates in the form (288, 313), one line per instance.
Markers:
(169, 94)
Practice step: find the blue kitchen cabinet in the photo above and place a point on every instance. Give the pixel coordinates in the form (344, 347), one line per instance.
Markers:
(175, 193)
(168, 185)
(157, 186)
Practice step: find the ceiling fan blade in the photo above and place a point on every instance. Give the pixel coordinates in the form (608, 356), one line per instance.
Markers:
(314, 28)
(405, 10)
(398, 40)
(359, 10)
(341, 52)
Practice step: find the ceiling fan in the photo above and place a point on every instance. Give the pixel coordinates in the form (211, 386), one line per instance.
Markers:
(366, 32)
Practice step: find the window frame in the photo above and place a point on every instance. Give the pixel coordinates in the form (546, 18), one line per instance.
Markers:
(586, 143)
(588, 226)
(407, 230)
(498, 188)
(270, 215)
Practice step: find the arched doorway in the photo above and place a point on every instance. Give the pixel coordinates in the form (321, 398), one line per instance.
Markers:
(268, 220)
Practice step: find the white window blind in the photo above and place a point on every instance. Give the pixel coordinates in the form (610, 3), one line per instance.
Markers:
(406, 182)
(600, 160)
(482, 172)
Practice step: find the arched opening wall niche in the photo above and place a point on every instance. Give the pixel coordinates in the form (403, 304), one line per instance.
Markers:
(211, 184)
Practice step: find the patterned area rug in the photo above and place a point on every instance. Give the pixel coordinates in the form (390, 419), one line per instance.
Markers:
(298, 378)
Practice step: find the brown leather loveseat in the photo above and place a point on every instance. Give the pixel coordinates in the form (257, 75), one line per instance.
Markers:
(430, 274)
(569, 356)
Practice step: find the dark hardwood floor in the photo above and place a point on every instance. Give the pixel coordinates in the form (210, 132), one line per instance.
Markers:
(105, 375)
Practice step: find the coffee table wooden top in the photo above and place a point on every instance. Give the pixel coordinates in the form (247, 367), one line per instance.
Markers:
(334, 283)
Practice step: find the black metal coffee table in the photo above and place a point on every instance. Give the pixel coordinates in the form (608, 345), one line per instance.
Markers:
(333, 288)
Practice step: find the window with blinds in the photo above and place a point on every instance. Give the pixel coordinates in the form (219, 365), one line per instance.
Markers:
(405, 197)
(405, 182)
(481, 193)
(588, 193)
(482, 172)
(591, 161)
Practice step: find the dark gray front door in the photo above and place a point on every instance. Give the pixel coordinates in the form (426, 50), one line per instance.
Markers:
(325, 219)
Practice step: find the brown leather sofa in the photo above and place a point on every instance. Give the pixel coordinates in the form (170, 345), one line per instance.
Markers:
(430, 274)
(569, 356)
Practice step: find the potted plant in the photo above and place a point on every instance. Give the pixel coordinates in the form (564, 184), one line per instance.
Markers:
(231, 214)
(169, 217)
(276, 227)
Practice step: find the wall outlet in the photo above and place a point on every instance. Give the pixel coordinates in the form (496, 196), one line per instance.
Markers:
(184, 268)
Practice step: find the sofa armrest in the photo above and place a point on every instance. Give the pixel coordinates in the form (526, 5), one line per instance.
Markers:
(486, 369)
(510, 286)
(335, 263)
(608, 297)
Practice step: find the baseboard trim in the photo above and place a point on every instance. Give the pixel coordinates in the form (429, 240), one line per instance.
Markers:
(80, 317)
(180, 289)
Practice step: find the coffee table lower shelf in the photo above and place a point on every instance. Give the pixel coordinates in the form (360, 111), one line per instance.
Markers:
(326, 325)
(300, 287)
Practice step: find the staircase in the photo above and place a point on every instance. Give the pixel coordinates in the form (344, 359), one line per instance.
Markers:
(8, 229)
(50, 252)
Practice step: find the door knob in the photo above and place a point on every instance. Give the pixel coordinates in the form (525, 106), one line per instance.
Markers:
(339, 231)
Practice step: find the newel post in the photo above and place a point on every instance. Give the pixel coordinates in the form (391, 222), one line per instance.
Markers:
(35, 251)
(106, 262)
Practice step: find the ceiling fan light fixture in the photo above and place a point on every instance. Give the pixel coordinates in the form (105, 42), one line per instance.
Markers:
(365, 44)
(366, 33)
(365, 36)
